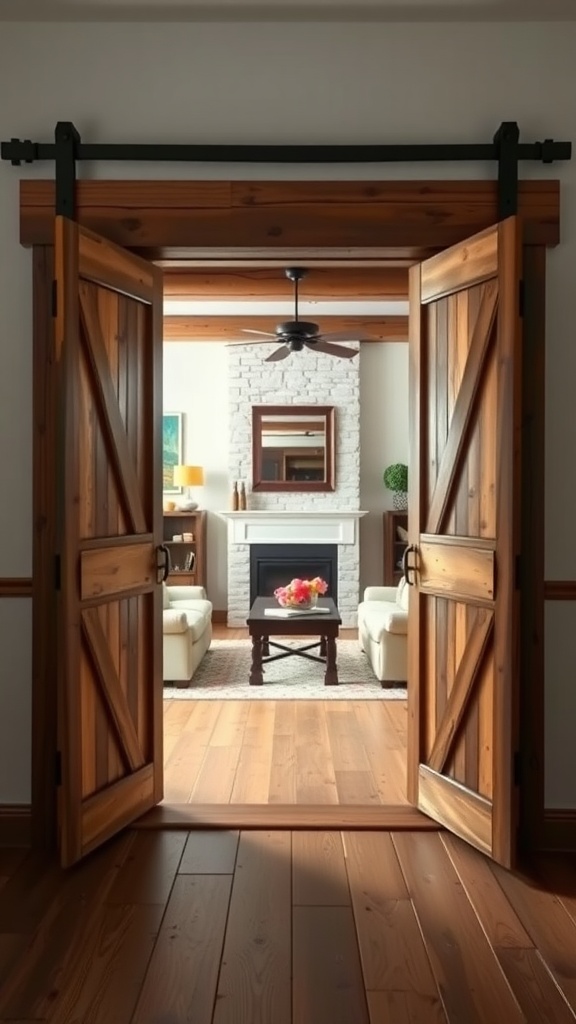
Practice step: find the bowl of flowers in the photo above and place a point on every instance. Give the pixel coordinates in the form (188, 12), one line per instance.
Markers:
(301, 593)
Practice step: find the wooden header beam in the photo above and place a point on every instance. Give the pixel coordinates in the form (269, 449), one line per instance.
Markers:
(229, 328)
(369, 284)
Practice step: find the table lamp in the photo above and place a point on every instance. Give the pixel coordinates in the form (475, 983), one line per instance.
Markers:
(188, 476)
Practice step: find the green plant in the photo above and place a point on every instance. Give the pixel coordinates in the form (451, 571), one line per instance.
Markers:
(396, 477)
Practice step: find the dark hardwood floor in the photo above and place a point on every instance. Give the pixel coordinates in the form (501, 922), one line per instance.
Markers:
(274, 927)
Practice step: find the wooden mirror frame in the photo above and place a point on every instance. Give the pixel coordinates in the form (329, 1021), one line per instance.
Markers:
(292, 486)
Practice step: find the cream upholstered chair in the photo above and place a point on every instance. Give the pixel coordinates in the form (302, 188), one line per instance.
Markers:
(187, 629)
(383, 629)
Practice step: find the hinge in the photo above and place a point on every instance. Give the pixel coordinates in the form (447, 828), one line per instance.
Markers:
(58, 768)
(517, 768)
(521, 294)
(54, 298)
(57, 572)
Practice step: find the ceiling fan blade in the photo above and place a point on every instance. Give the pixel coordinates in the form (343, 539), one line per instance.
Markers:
(332, 350)
(279, 353)
(339, 336)
(265, 334)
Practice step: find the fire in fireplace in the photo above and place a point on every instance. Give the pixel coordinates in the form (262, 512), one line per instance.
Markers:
(274, 565)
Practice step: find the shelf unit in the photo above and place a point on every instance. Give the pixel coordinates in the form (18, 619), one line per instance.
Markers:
(394, 547)
(179, 523)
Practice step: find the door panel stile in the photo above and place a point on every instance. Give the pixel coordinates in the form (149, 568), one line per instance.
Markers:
(506, 688)
(419, 369)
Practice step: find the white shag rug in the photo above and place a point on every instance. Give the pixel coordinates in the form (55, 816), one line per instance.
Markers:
(225, 669)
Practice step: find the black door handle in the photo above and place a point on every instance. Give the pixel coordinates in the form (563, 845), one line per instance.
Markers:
(163, 563)
(407, 569)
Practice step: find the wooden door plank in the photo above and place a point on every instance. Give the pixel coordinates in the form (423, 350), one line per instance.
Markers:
(111, 688)
(181, 980)
(459, 809)
(126, 478)
(328, 983)
(318, 870)
(461, 956)
(115, 569)
(210, 853)
(255, 976)
(462, 690)
(463, 409)
(458, 568)
(460, 266)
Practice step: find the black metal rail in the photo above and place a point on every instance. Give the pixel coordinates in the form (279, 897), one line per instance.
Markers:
(67, 149)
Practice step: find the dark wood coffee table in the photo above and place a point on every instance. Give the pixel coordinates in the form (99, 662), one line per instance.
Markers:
(261, 627)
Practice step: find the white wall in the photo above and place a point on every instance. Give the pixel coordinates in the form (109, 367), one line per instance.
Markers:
(383, 440)
(238, 83)
(196, 383)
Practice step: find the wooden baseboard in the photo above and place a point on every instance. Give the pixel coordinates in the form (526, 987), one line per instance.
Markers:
(559, 832)
(15, 824)
(310, 817)
(219, 615)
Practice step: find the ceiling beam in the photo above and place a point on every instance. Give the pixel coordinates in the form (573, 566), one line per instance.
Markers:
(270, 284)
(229, 328)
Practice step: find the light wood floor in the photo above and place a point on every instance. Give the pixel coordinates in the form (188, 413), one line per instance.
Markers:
(286, 752)
(286, 928)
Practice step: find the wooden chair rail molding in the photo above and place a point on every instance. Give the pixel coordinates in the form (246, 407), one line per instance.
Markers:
(560, 590)
(16, 586)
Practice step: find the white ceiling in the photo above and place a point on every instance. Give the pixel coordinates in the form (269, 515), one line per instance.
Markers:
(287, 10)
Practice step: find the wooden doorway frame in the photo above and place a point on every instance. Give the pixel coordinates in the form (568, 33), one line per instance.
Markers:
(399, 222)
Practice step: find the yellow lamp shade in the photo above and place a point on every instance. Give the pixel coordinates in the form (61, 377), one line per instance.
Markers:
(188, 476)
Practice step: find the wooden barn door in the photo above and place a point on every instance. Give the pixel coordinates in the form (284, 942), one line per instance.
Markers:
(464, 532)
(108, 350)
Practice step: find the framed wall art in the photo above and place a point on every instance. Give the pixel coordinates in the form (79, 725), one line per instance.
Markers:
(171, 450)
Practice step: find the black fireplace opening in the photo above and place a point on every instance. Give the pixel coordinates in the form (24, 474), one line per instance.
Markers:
(274, 565)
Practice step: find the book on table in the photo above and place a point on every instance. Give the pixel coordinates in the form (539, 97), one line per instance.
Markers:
(288, 613)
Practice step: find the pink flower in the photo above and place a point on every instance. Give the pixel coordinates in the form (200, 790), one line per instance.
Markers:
(300, 591)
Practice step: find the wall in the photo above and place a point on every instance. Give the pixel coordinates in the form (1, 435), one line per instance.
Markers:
(195, 383)
(237, 83)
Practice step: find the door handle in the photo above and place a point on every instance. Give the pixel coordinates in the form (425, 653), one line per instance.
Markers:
(163, 564)
(407, 569)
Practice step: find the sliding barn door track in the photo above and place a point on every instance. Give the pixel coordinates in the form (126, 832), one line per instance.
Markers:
(505, 150)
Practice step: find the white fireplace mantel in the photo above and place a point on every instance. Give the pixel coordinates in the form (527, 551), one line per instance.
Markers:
(279, 526)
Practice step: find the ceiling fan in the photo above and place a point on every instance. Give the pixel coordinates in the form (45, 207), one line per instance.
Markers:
(297, 334)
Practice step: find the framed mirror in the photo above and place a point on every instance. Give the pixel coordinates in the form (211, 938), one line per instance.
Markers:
(293, 448)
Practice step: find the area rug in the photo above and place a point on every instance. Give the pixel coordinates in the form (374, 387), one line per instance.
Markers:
(224, 672)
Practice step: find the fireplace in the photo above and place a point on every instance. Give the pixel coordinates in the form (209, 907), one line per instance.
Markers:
(274, 565)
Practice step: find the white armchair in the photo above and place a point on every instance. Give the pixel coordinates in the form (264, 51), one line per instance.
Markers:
(383, 629)
(187, 629)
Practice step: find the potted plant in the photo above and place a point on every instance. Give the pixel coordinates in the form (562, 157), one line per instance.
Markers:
(396, 480)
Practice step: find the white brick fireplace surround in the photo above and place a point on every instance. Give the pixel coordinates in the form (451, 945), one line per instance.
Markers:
(277, 526)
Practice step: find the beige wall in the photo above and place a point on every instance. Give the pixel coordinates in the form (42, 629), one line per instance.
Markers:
(354, 83)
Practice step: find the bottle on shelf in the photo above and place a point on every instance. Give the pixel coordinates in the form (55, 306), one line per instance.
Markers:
(235, 498)
(242, 496)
